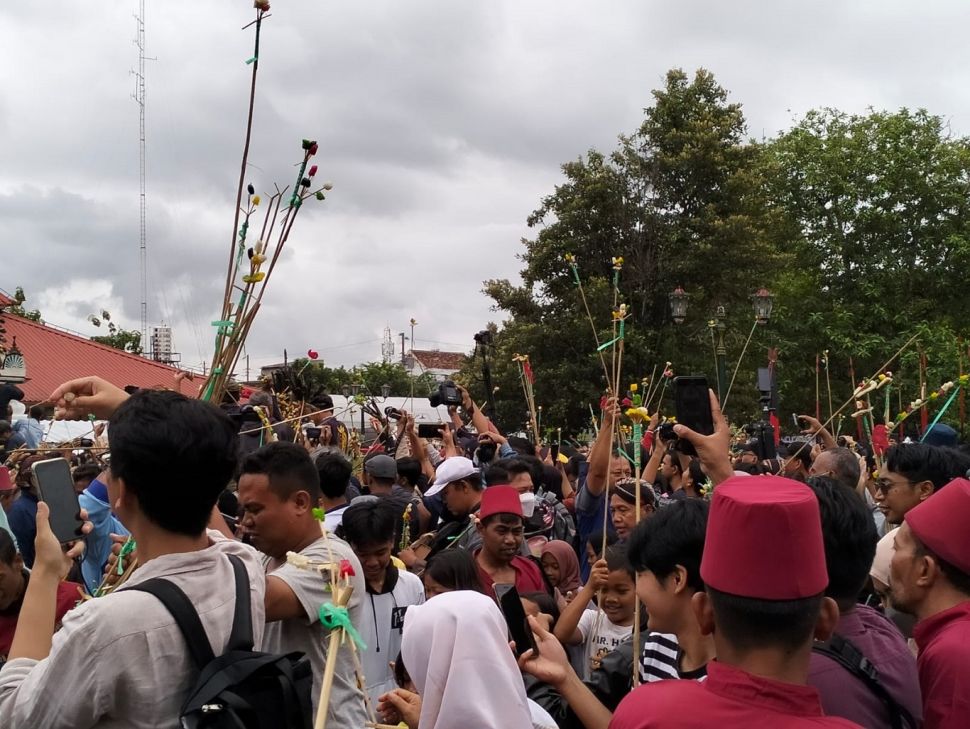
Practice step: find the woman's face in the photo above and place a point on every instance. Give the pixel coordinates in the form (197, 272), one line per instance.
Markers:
(433, 588)
(550, 565)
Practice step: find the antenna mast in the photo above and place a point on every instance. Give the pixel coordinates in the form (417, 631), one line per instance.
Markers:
(139, 97)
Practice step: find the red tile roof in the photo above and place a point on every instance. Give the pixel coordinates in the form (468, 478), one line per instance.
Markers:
(437, 360)
(54, 356)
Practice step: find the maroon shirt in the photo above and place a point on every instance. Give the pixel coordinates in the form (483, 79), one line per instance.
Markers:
(944, 667)
(67, 598)
(880, 641)
(728, 698)
(528, 577)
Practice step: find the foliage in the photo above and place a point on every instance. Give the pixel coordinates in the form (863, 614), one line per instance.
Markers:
(372, 375)
(683, 201)
(18, 308)
(127, 340)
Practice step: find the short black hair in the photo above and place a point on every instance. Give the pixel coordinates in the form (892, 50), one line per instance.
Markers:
(959, 462)
(801, 452)
(846, 469)
(288, 468)
(454, 569)
(749, 623)
(409, 470)
(523, 464)
(495, 475)
(175, 454)
(86, 471)
(850, 538)
(369, 522)
(616, 560)
(545, 602)
(37, 412)
(8, 550)
(333, 471)
(673, 536)
(5, 427)
(920, 462)
(507, 519)
(522, 446)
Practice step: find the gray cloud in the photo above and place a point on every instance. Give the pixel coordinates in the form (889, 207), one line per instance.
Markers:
(441, 125)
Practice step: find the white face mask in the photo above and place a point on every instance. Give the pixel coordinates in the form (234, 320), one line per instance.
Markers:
(528, 500)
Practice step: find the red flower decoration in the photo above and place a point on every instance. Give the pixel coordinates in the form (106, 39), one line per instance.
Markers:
(627, 402)
(313, 171)
(312, 354)
(313, 149)
(346, 569)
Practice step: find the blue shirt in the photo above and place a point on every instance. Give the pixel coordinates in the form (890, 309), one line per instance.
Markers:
(23, 522)
(31, 430)
(589, 519)
(98, 543)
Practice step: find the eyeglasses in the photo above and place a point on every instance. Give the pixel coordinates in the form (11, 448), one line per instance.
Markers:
(884, 485)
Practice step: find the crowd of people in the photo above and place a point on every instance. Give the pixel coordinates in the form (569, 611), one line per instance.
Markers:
(827, 587)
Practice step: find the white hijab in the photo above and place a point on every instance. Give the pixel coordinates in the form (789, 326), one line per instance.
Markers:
(456, 650)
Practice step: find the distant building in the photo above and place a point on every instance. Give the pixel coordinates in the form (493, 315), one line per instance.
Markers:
(161, 348)
(438, 364)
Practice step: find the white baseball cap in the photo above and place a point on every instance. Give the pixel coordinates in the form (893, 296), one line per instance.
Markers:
(451, 469)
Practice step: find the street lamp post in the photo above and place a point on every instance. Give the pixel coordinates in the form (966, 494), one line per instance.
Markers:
(718, 323)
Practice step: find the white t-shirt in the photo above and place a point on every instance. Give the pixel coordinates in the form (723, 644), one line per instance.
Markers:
(307, 635)
(382, 627)
(600, 636)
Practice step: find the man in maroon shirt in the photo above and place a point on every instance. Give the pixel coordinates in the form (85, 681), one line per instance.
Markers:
(500, 524)
(764, 571)
(930, 578)
(13, 586)
(849, 534)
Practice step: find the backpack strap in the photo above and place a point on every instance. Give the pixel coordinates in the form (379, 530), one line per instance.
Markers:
(846, 654)
(241, 637)
(186, 617)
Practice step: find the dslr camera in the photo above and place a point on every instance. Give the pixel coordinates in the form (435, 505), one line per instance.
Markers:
(447, 394)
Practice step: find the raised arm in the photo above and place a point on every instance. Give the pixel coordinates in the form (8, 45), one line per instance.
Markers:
(600, 455)
(481, 423)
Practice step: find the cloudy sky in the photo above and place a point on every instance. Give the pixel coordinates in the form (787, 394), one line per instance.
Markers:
(441, 124)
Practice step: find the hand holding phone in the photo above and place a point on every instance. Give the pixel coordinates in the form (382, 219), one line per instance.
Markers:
(56, 489)
(693, 404)
(516, 620)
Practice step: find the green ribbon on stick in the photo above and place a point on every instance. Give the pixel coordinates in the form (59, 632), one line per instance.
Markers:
(334, 617)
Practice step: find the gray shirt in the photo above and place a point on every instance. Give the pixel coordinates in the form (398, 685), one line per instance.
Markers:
(307, 635)
(120, 660)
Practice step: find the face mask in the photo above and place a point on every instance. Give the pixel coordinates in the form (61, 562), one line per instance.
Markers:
(528, 504)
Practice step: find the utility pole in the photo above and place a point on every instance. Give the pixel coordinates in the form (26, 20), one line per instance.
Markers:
(403, 362)
(139, 97)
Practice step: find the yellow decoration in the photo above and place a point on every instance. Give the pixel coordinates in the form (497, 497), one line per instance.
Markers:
(254, 277)
(256, 199)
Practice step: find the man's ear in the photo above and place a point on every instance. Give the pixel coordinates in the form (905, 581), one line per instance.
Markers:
(678, 580)
(828, 619)
(700, 603)
(302, 501)
(925, 490)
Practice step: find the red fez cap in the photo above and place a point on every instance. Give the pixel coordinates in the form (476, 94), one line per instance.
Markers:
(5, 483)
(764, 540)
(500, 500)
(940, 523)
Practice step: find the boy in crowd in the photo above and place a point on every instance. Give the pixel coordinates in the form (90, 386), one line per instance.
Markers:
(369, 529)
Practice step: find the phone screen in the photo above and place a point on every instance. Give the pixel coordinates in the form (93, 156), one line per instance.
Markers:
(693, 405)
(430, 430)
(519, 630)
(56, 489)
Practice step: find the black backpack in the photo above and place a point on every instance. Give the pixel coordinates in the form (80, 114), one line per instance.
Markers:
(242, 688)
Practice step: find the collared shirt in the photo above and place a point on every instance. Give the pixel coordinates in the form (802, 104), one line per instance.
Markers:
(528, 577)
(879, 640)
(120, 661)
(729, 697)
(31, 430)
(944, 667)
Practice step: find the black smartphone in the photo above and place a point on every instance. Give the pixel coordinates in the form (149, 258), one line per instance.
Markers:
(515, 618)
(56, 489)
(693, 405)
(554, 453)
(313, 433)
(430, 430)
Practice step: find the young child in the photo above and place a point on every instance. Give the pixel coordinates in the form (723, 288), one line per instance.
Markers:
(601, 631)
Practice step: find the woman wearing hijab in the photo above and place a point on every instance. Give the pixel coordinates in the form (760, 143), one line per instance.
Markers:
(456, 650)
(561, 566)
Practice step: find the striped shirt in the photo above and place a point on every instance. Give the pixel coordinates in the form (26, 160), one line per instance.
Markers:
(660, 658)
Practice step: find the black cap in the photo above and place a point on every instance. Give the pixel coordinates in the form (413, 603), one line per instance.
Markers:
(322, 402)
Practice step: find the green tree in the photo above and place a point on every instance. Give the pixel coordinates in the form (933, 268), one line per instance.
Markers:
(18, 309)
(127, 340)
(879, 208)
(372, 375)
(683, 200)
